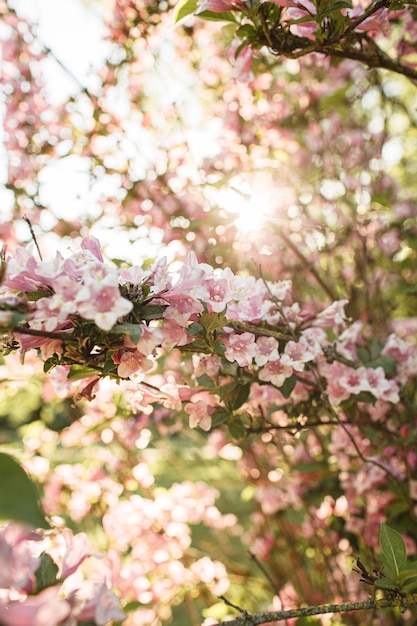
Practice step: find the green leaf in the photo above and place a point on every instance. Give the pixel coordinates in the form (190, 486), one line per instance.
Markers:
(16, 319)
(78, 372)
(240, 396)
(212, 322)
(410, 586)
(336, 6)
(46, 573)
(184, 8)
(195, 346)
(226, 16)
(387, 363)
(195, 329)
(288, 387)
(386, 583)
(126, 328)
(150, 312)
(49, 364)
(19, 499)
(219, 417)
(236, 428)
(205, 381)
(393, 548)
(33, 296)
(362, 354)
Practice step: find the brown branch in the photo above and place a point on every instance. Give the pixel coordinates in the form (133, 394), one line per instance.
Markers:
(248, 619)
(22, 330)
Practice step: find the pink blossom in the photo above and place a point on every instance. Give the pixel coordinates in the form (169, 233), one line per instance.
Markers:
(348, 341)
(103, 304)
(334, 315)
(17, 562)
(93, 245)
(102, 606)
(240, 348)
(182, 308)
(277, 371)
(299, 354)
(219, 293)
(380, 387)
(133, 365)
(212, 573)
(201, 408)
(243, 63)
(333, 372)
(354, 380)
(44, 609)
(199, 414)
(266, 350)
(77, 550)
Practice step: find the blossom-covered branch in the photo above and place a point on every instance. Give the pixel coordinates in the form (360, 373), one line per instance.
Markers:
(344, 29)
(94, 320)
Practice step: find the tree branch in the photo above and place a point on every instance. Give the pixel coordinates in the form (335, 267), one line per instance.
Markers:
(249, 619)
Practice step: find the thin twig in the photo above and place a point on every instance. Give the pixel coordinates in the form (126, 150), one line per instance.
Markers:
(264, 572)
(32, 233)
(326, 288)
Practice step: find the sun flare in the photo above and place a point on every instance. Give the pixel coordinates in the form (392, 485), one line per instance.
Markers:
(251, 202)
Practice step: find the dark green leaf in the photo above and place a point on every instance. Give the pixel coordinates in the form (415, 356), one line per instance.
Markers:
(195, 329)
(195, 346)
(375, 348)
(288, 387)
(386, 583)
(205, 381)
(46, 573)
(219, 347)
(49, 364)
(133, 330)
(363, 354)
(240, 396)
(150, 312)
(19, 499)
(336, 6)
(393, 548)
(387, 363)
(236, 428)
(219, 417)
(246, 31)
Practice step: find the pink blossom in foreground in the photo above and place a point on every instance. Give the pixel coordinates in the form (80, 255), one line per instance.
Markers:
(17, 561)
(240, 348)
(44, 609)
(201, 408)
(100, 604)
(276, 372)
(133, 365)
(78, 549)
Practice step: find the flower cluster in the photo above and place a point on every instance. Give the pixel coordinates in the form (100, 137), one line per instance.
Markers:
(41, 583)
(82, 312)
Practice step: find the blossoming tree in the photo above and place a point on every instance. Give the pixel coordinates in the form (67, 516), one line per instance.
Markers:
(209, 362)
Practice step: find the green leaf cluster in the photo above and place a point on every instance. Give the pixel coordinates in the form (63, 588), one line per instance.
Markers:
(401, 575)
